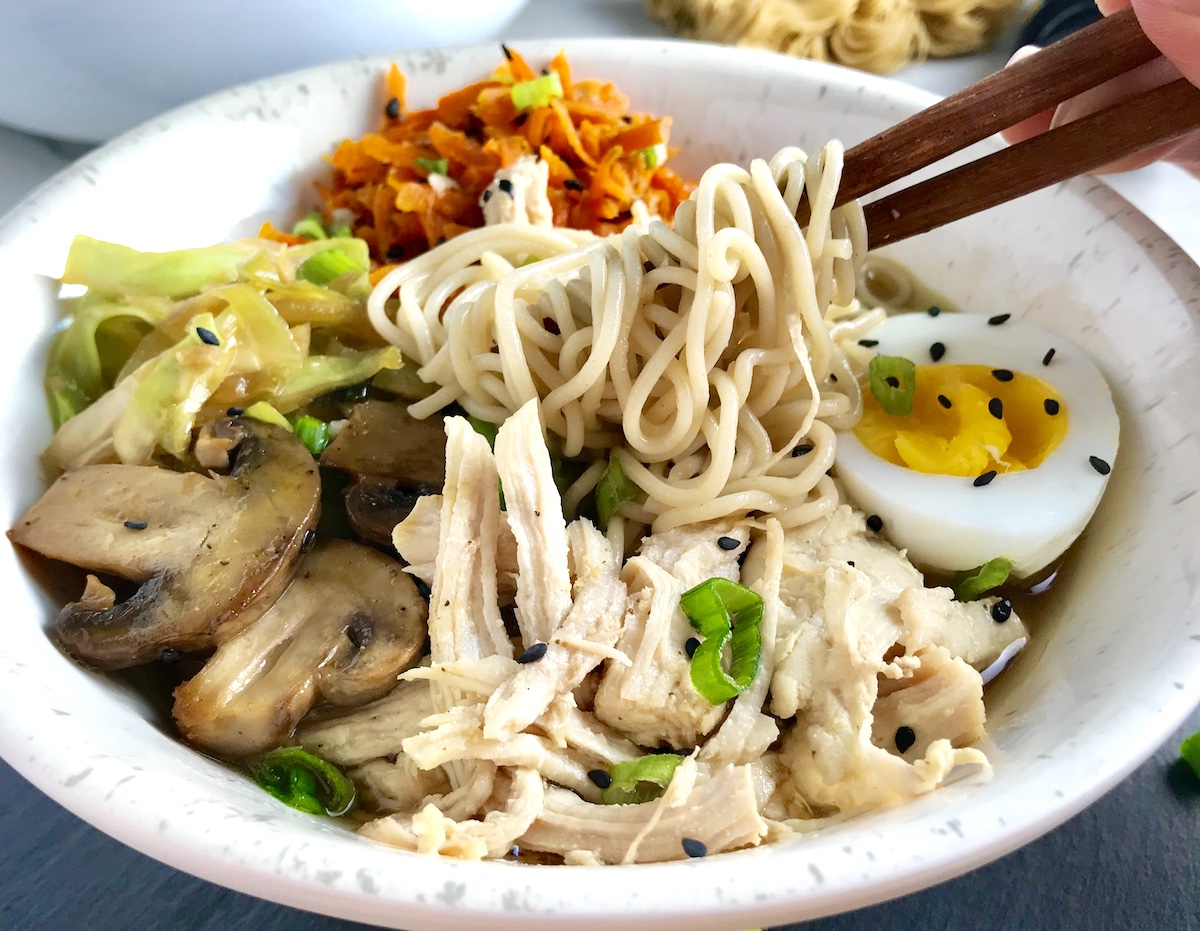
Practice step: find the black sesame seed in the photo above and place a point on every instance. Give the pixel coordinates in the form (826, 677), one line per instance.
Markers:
(487, 195)
(694, 848)
(170, 656)
(1002, 375)
(310, 538)
(998, 319)
(234, 412)
(506, 50)
(520, 118)
(728, 543)
(802, 450)
(996, 408)
(551, 326)
(1001, 610)
(1050, 406)
(936, 351)
(1048, 356)
(534, 653)
(545, 71)
(393, 108)
(395, 253)
(136, 524)
(984, 479)
(505, 186)
(572, 185)
(600, 778)
(905, 738)
(692, 645)
(207, 336)
(944, 401)
(1100, 465)
(934, 310)
(515, 851)
(868, 343)
(875, 523)
(832, 377)
(850, 562)
(893, 381)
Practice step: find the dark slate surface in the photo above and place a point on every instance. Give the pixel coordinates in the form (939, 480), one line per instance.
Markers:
(1128, 863)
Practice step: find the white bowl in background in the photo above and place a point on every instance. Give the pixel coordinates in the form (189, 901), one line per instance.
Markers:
(1114, 664)
(86, 70)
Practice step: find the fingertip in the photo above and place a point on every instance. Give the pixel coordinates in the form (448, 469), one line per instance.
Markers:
(1028, 128)
(1022, 53)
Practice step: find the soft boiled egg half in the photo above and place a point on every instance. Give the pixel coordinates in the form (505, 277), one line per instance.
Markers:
(1006, 450)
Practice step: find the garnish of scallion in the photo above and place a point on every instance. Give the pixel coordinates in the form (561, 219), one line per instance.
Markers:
(640, 780)
(313, 433)
(325, 266)
(979, 581)
(311, 227)
(538, 92)
(304, 781)
(615, 489)
(1190, 751)
(893, 383)
(433, 166)
(724, 613)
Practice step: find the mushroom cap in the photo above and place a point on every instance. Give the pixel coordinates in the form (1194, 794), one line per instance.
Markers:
(348, 625)
(214, 553)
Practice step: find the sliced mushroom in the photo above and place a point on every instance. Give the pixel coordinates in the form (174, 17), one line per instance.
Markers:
(348, 625)
(376, 505)
(209, 553)
(382, 439)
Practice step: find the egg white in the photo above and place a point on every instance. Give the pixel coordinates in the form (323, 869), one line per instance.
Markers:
(1029, 517)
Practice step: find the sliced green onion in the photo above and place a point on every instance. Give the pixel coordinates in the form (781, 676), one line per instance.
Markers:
(304, 781)
(614, 490)
(654, 155)
(979, 581)
(341, 231)
(538, 92)
(529, 260)
(724, 612)
(313, 433)
(640, 780)
(433, 166)
(312, 227)
(261, 410)
(484, 429)
(1190, 751)
(893, 382)
(325, 266)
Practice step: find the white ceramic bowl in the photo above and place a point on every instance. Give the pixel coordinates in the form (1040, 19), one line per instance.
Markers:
(1114, 664)
(86, 70)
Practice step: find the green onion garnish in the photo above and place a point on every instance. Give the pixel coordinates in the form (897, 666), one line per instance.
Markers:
(724, 612)
(311, 227)
(313, 433)
(538, 92)
(484, 429)
(325, 266)
(341, 231)
(304, 781)
(640, 780)
(654, 155)
(1190, 751)
(978, 581)
(893, 382)
(614, 489)
(433, 166)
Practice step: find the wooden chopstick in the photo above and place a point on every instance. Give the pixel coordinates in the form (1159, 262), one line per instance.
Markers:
(1102, 51)
(1156, 116)
(1083, 60)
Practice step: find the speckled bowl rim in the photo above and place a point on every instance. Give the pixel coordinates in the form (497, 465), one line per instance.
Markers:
(763, 886)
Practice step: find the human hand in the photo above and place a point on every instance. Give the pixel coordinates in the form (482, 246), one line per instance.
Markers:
(1174, 27)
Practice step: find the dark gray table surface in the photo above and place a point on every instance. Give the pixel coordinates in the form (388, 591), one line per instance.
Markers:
(1128, 863)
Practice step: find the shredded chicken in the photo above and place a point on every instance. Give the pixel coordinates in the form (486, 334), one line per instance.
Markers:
(519, 194)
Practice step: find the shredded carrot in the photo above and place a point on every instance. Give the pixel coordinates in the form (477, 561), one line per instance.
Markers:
(268, 231)
(590, 139)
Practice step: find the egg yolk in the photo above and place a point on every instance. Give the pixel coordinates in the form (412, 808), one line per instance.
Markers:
(967, 420)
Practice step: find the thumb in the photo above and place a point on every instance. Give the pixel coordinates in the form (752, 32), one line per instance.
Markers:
(1174, 26)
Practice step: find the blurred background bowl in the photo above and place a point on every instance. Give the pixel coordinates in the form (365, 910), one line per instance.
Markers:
(86, 70)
